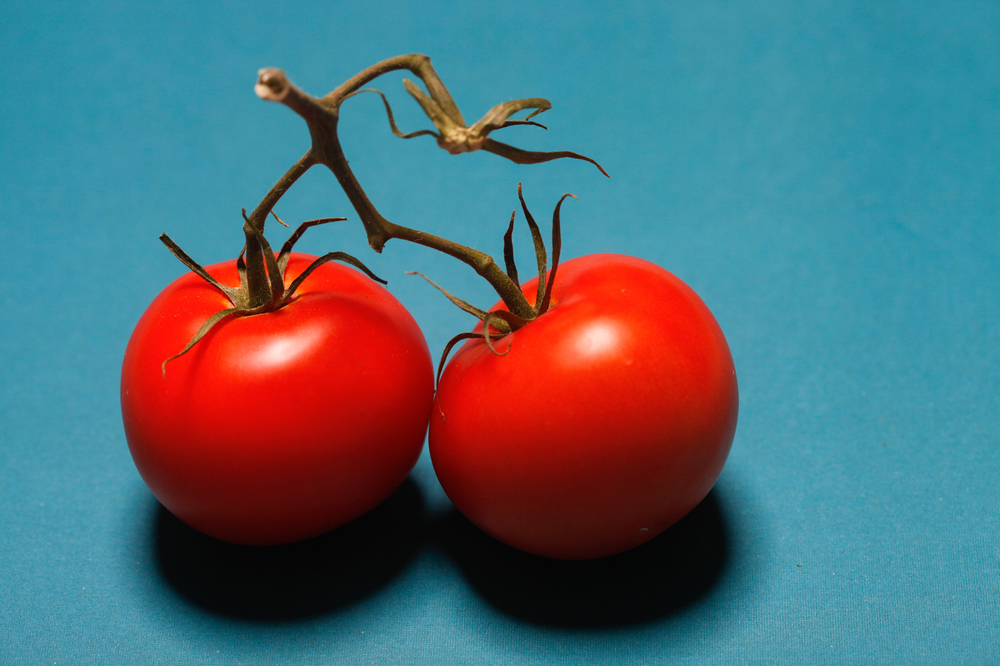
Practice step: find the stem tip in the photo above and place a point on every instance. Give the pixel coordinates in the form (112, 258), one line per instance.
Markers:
(272, 84)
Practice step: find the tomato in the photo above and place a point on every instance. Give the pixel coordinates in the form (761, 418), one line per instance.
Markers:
(280, 426)
(603, 421)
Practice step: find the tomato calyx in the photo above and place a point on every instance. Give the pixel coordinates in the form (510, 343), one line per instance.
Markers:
(262, 283)
(498, 324)
(457, 138)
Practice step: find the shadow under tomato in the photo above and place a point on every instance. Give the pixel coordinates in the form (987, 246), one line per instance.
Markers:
(296, 580)
(657, 579)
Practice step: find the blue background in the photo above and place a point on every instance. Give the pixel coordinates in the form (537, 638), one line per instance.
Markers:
(825, 174)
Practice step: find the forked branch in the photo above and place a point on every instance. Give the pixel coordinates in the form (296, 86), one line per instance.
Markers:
(322, 116)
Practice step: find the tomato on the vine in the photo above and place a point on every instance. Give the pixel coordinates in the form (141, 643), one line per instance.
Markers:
(279, 426)
(596, 426)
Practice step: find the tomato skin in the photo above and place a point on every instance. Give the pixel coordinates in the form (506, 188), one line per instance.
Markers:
(281, 426)
(608, 420)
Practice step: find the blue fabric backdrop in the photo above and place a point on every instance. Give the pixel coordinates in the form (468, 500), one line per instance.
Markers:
(825, 174)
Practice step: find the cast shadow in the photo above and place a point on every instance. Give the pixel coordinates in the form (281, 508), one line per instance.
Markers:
(297, 580)
(655, 580)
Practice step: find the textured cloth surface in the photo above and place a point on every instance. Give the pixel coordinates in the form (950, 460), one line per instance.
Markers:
(826, 175)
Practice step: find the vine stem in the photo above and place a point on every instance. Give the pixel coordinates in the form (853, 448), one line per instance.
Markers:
(322, 116)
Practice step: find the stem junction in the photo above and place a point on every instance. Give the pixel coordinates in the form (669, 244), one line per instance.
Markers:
(322, 116)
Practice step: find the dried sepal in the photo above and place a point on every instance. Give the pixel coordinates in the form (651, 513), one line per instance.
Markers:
(497, 117)
(508, 250)
(456, 138)
(492, 320)
(512, 123)
(447, 350)
(392, 119)
(445, 123)
(543, 305)
(512, 321)
(444, 357)
(241, 270)
(205, 328)
(233, 294)
(286, 249)
(330, 256)
(540, 255)
(467, 307)
(519, 156)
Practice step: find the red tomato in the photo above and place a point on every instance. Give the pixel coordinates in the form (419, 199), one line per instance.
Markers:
(281, 426)
(608, 419)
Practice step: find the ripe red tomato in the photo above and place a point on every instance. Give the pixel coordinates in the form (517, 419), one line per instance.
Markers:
(607, 420)
(280, 426)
